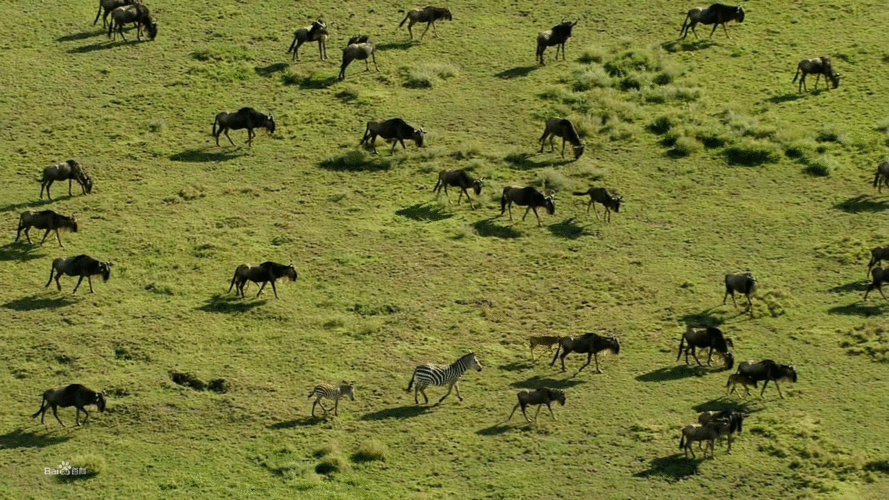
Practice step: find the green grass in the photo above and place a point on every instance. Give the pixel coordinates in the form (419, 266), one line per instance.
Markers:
(749, 174)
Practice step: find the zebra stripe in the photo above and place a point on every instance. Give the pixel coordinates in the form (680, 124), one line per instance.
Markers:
(332, 392)
(450, 375)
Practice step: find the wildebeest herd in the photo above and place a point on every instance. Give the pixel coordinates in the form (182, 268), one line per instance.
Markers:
(712, 425)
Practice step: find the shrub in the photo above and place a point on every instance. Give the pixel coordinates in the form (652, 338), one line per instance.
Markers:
(750, 153)
(92, 465)
(661, 125)
(829, 133)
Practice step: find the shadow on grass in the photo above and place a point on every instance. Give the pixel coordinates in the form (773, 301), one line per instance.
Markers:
(668, 373)
(20, 251)
(536, 382)
(516, 366)
(524, 161)
(686, 45)
(494, 430)
(86, 49)
(855, 286)
(862, 203)
(80, 36)
(399, 413)
(32, 204)
(27, 439)
(37, 302)
(314, 82)
(202, 155)
(270, 70)
(486, 228)
(568, 229)
(858, 309)
(673, 468)
(703, 318)
(354, 161)
(789, 97)
(516, 72)
(230, 304)
(298, 422)
(424, 212)
(746, 407)
(397, 45)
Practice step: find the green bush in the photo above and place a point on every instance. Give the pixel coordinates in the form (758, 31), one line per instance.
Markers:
(750, 153)
(821, 167)
(661, 125)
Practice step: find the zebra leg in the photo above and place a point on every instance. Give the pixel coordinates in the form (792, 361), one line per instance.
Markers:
(422, 391)
(313, 407)
(457, 388)
(450, 388)
(336, 407)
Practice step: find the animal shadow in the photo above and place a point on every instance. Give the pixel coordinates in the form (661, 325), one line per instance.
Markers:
(230, 304)
(788, 97)
(537, 382)
(27, 439)
(486, 228)
(400, 412)
(858, 309)
(494, 430)
(79, 36)
(354, 161)
(674, 468)
(675, 372)
(516, 72)
(516, 366)
(314, 82)
(298, 422)
(703, 318)
(524, 161)
(20, 251)
(687, 45)
(862, 203)
(202, 155)
(37, 302)
(270, 70)
(424, 212)
(855, 286)
(746, 407)
(397, 46)
(568, 229)
(33, 204)
(86, 49)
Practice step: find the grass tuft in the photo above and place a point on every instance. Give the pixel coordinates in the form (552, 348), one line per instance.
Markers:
(370, 450)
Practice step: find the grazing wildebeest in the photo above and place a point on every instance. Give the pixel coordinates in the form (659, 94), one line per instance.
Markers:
(539, 397)
(70, 171)
(247, 118)
(83, 266)
(74, 395)
(559, 127)
(395, 130)
(47, 219)
(332, 392)
(882, 174)
(715, 14)
(460, 179)
(108, 6)
(767, 370)
(426, 15)
(877, 255)
(546, 341)
(267, 272)
(526, 197)
(819, 66)
(708, 432)
(735, 419)
(735, 379)
(744, 283)
(315, 32)
(557, 36)
(134, 13)
(590, 344)
(709, 337)
(601, 195)
(879, 276)
(449, 375)
(362, 51)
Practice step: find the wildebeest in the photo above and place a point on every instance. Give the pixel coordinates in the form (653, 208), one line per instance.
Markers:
(332, 392)
(715, 14)
(460, 179)
(361, 50)
(558, 35)
(108, 6)
(547, 341)
(70, 171)
(395, 130)
(560, 127)
(589, 344)
(526, 197)
(247, 118)
(877, 255)
(819, 66)
(46, 219)
(542, 396)
(708, 432)
(74, 395)
(767, 370)
(735, 379)
(426, 15)
(315, 32)
(83, 266)
(882, 174)
(734, 419)
(601, 195)
(709, 337)
(879, 276)
(267, 272)
(744, 283)
(134, 13)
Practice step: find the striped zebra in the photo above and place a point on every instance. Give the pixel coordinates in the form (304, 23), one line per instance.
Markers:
(334, 392)
(449, 375)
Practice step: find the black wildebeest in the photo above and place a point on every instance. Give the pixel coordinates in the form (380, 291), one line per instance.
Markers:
(83, 266)
(108, 6)
(526, 197)
(601, 195)
(557, 36)
(877, 255)
(589, 344)
(74, 395)
(48, 220)
(560, 127)
(70, 171)
(426, 15)
(460, 179)
(709, 337)
(538, 397)
(879, 276)
(882, 174)
(247, 118)
(315, 32)
(768, 370)
(360, 47)
(134, 13)
(734, 419)
(395, 130)
(267, 272)
(819, 66)
(744, 283)
(715, 14)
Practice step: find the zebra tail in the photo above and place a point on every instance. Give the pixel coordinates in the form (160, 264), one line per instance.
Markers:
(411, 383)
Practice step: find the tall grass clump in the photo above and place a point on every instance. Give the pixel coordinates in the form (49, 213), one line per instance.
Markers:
(370, 450)
(821, 167)
(551, 179)
(633, 61)
(751, 152)
(830, 133)
(589, 77)
(426, 75)
(92, 465)
(592, 54)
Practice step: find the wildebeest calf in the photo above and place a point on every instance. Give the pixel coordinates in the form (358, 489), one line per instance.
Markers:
(877, 255)
(73, 395)
(601, 195)
(83, 266)
(526, 197)
(542, 396)
(735, 379)
(715, 14)
(589, 344)
(360, 50)
(426, 15)
(744, 283)
(108, 6)
(134, 13)
(546, 341)
(882, 174)
(879, 276)
(267, 272)
(557, 36)
(247, 118)
(395, 130)
(560, 127)
(48, 220)
(819, 66)
(708, 432)
(460, 179)
(767, 370)
(315, 32)
(70, 171)
(734, 419)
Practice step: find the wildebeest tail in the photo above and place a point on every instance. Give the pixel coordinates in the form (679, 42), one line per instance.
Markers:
(366, 134)
(877, 178)
(681, 343)
(797, 76)
(404, 20)
(411, 383)
(682, 442)
(215, 121)
(234, 279)
(684, 23)
(42, 404)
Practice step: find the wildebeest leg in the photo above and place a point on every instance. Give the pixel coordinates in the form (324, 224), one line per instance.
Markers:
(90, 281)
(543, 140)
(70, 180)
(779, 389)
(468, 198)
(514, 408)
(373, 55)
(764, 384)
(710, 357)
(427, 29)
(274, 289)
(28, 236)
(261, 288)
(227, 137)
(817, 79)
(716, 25)
(726, 31)
(596, 357)
(563, 147)
(47, 234)
(729, 291)
(552, 140)
(589, 357)
(250, 136)
(55, 413)
(409, 30)
(86, 415)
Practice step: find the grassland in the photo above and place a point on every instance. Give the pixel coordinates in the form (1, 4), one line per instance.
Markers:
(722, 164)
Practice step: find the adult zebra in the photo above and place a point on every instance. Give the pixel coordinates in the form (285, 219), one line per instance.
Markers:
(449, 375)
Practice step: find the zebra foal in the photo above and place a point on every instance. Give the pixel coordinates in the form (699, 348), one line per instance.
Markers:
(449, 375)
(332, 392)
